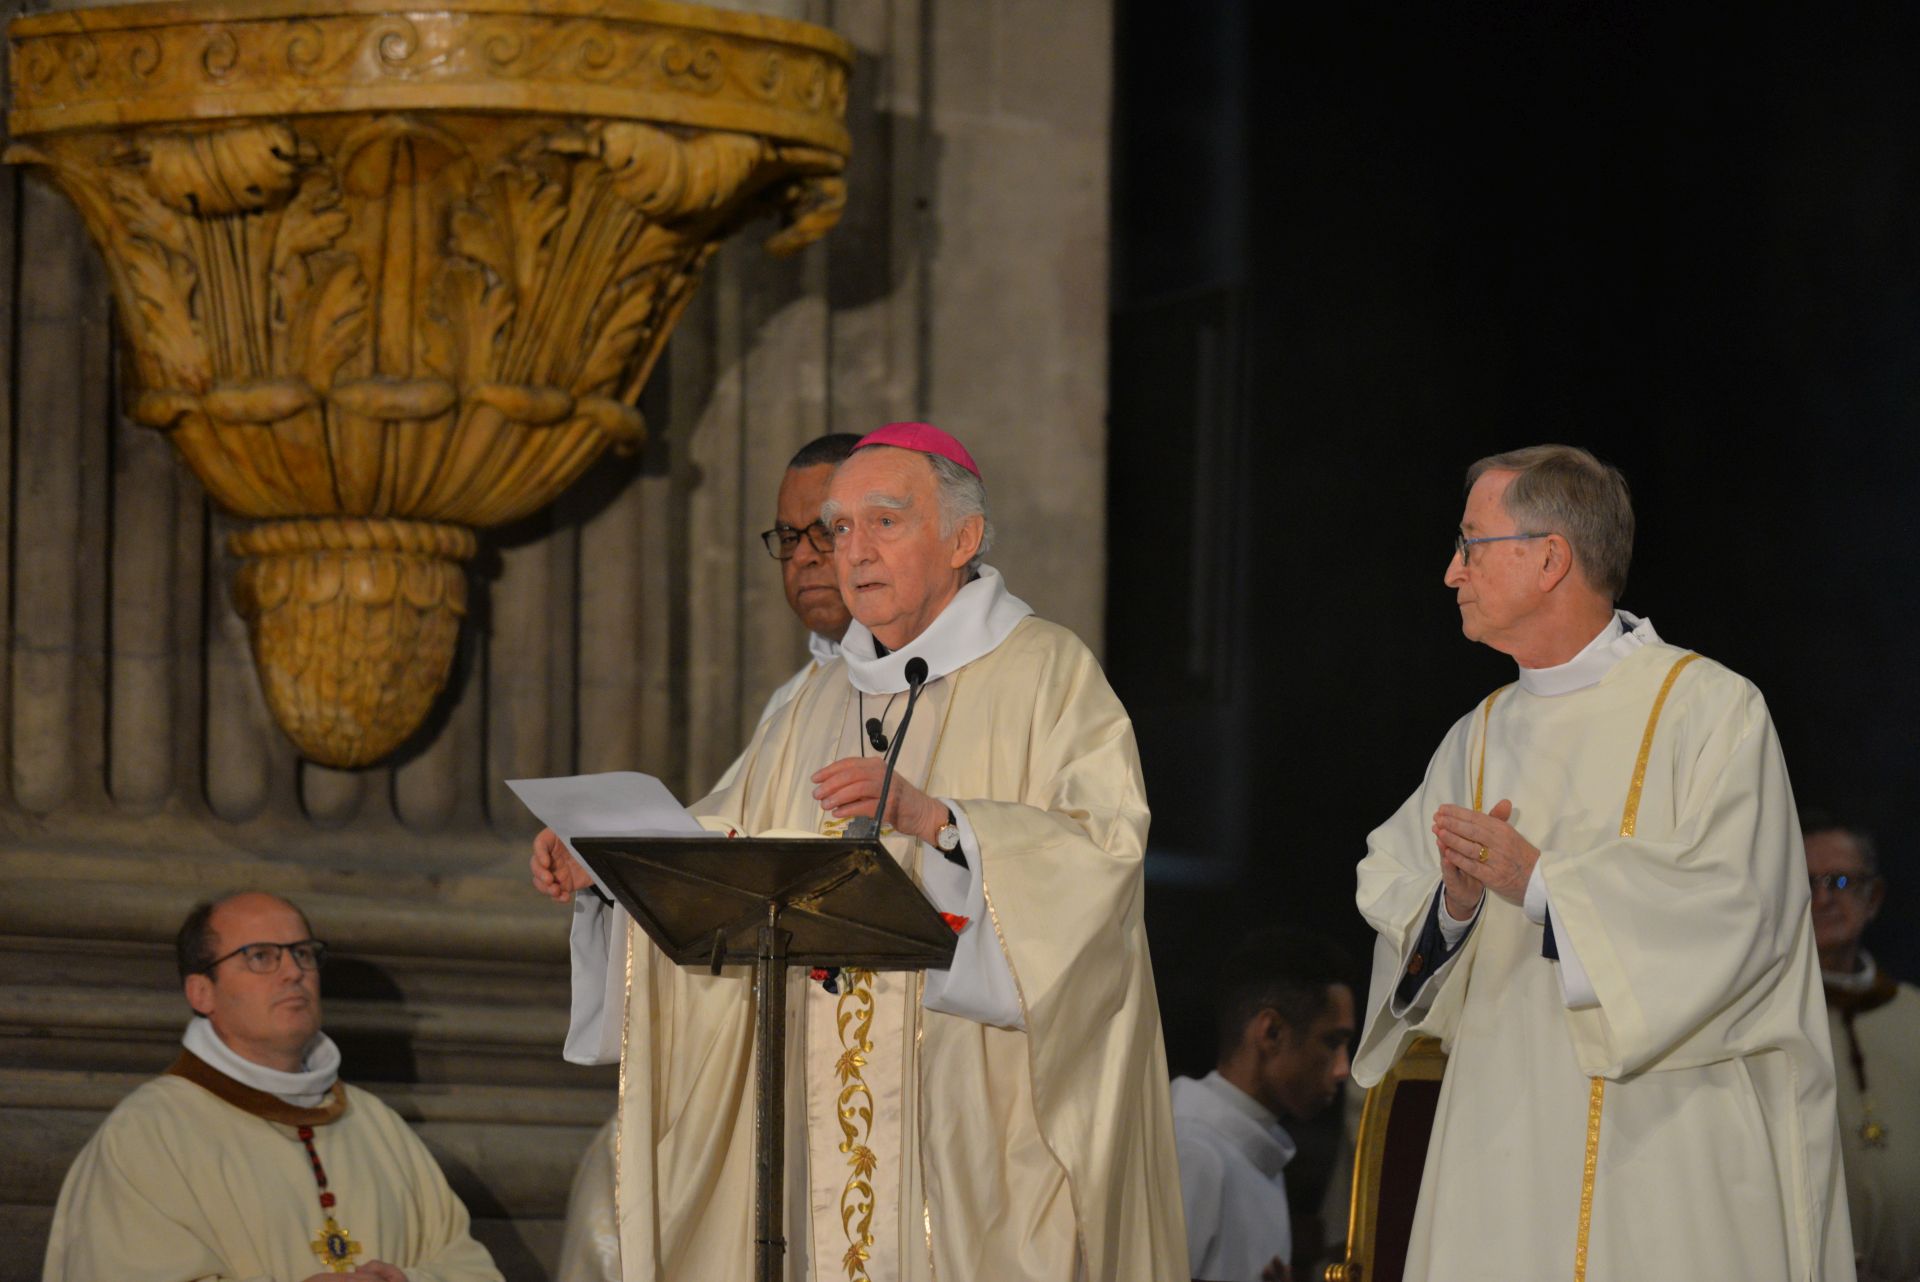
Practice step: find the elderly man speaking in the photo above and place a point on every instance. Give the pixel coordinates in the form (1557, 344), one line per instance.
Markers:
(1597, 899)
(1007, 1118)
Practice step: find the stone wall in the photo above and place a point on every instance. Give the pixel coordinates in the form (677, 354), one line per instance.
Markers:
(637, 624)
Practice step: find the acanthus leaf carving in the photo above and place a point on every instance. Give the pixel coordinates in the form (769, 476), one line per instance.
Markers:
(156, 278)
(318, 305)
(387, 276)
(225, 171)
(668, 177)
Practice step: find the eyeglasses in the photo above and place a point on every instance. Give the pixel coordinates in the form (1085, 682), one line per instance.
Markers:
(1841, 882)
(783, 540)
(264, 959)
(1463, 546)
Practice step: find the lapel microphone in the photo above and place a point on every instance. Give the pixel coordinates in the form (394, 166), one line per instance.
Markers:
(875, 735)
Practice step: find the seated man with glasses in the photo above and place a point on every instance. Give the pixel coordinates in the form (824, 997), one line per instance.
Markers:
(1875, 1023)
(248, 1158)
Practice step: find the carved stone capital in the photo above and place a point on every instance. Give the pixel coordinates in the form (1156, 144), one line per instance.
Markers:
(394, 269)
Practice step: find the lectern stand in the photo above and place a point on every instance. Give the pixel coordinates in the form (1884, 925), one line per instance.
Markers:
(775, 902)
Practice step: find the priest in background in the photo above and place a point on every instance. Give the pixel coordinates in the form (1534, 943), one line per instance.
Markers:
(249, 1158)
(1874, 1020)
(799, 541)
(1285, 1021)
(1006, 1118)
(1596, 899)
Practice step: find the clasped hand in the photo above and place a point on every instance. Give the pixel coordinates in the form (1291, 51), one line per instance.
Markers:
(1464, 836)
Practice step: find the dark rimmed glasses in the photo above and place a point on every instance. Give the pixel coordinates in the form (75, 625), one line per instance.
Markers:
(264, 958)
(783, 540)
(1463, 546)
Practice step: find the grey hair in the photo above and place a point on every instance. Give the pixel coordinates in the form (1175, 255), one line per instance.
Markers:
(962, 494)
(1818, 821)
(1565, 490)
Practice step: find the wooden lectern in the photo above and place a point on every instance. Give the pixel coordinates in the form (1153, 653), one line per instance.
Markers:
(774, 902)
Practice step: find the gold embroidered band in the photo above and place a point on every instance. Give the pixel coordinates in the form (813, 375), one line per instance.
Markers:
(1629, 819)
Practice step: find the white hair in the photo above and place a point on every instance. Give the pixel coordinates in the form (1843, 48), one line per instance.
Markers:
(962, 494)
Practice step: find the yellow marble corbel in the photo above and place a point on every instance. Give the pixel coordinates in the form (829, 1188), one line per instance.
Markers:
(387, 277)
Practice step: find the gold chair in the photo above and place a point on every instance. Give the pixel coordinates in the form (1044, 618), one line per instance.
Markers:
(1390, 1153)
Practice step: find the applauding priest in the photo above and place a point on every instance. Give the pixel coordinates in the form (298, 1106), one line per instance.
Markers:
(1597, 900)
(1007, 1118)
(249, 1159)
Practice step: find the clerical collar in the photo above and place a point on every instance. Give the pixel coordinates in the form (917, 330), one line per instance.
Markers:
(1858, 982)
(823, 649)
(1623, 634)
(980, 616)
(305, 1089)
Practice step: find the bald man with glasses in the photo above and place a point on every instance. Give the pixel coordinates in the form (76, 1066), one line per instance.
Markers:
(249, 1158)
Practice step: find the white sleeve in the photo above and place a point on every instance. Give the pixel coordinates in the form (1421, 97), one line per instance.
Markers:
(1452, 930)
(597, 939)
(979, 985)
(1576, 989)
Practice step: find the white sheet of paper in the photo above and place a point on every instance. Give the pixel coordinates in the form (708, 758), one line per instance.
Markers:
(619, 803)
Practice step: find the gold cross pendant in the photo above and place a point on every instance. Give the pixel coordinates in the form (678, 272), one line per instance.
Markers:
(335, 1248)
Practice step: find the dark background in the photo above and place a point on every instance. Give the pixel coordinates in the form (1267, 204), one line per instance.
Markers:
(1356, 249)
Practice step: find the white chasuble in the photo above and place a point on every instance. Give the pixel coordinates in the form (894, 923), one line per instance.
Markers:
(179, 1183)
(1709, 1149)
(1876, 1051)
(1039, 1146)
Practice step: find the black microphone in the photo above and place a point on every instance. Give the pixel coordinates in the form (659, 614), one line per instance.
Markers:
(867, 827)
(876, 735)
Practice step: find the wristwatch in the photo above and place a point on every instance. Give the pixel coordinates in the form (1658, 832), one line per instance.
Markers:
(948, 838)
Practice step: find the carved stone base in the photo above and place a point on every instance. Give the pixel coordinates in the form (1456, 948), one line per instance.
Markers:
(354, 627)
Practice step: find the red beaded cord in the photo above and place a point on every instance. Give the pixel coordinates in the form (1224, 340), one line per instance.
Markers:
(319, 1171)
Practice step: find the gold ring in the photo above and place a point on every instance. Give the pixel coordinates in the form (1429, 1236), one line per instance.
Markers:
(1483, 854)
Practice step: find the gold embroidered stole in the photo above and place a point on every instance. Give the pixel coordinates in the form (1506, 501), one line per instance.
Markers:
(861, 1085)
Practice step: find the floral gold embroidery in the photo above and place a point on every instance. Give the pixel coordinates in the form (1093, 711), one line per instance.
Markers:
(853, 1015)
